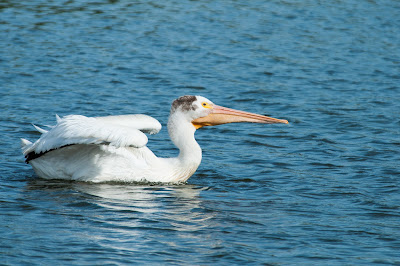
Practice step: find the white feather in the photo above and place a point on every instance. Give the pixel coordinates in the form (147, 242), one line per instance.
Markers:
(118, 131)
(25, 142)
(41, 130)
(141, 122)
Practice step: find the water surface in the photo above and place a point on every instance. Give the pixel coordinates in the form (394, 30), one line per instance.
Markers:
(322, 190)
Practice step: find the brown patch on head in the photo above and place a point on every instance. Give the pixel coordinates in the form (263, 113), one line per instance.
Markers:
(185, 103)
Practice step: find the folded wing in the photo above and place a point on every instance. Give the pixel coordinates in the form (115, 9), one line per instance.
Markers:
(118, 131)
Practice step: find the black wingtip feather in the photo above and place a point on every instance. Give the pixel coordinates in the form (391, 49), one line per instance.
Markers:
(33, 155)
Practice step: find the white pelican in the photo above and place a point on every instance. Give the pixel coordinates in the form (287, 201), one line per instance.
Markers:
(113, 148)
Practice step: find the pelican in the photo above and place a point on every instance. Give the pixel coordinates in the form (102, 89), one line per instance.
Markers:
(113, 148)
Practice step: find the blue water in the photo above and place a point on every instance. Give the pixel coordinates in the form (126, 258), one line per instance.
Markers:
(324, 189)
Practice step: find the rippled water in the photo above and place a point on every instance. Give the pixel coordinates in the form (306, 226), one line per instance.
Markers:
(322, 190)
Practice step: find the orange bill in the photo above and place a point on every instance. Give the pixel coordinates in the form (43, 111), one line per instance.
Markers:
(222, 115)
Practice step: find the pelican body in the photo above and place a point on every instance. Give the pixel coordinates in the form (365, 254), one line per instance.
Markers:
(113, 148)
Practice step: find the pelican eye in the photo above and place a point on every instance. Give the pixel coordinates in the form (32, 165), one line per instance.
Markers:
(206, 105)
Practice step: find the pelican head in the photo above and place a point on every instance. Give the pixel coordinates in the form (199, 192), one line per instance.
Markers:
(200, 112)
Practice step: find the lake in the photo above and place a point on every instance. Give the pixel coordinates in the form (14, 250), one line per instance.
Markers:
(323, 190)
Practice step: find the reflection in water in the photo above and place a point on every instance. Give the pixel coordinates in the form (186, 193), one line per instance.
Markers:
(127, 213)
